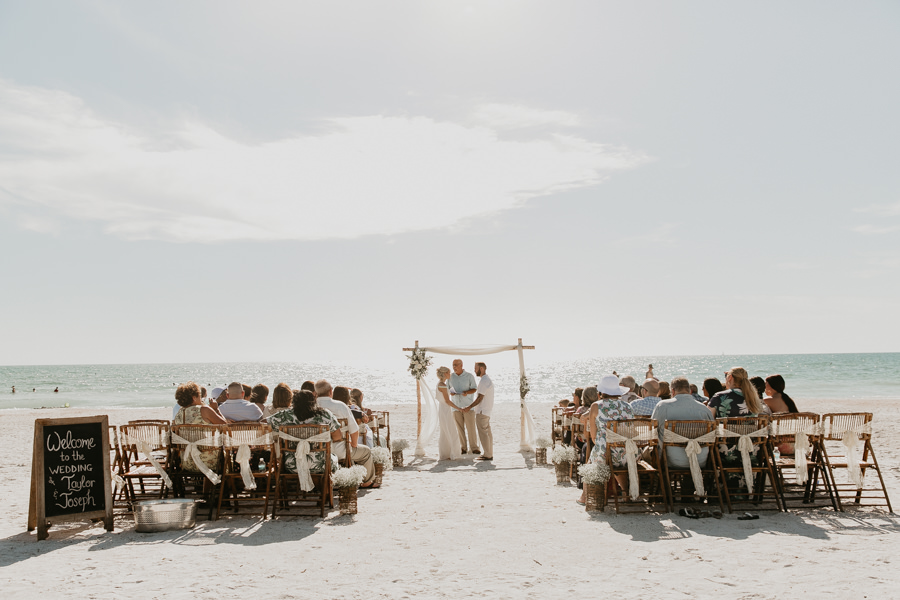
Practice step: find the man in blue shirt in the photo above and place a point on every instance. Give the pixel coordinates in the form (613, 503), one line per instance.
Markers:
(236, 408)
(462, 387)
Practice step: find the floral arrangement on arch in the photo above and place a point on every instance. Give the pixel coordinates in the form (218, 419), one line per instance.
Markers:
(382, 456)
(594, 473)
(562, 454)
(418, 363)
(524, 386)
(349, 477)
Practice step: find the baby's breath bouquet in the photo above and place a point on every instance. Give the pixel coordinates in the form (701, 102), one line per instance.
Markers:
(349, 477)
(382, 456)
(399, 445)
(418, 363)
(594, 474)
(524, 387)
(562, 454)
(543, 442)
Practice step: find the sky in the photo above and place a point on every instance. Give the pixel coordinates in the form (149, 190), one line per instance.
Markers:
(291, 181)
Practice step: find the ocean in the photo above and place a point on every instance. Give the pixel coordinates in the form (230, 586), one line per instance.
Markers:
(813, 376)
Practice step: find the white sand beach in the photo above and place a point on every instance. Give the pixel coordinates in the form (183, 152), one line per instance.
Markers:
(463, 529)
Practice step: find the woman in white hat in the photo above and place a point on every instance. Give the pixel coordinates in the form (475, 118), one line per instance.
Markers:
(610, 407)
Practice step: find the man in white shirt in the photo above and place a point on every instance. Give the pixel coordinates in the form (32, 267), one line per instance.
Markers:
(236, 408)
(482, 407)
(360, 455)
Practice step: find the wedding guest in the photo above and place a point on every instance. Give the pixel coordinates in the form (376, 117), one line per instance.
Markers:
(777, 399)
(236, 408)
(281, 399)
(644, 406)
(305, 411)
(664, 392)
(192, 411)
(258, 396)
(760, 384)
(356, 397)
(629, 382)
(564, 403)
(360, 455)
(610, 407)
(739, 398)
(711, 387)
(683, 407)
(696, 394)
(308, 386)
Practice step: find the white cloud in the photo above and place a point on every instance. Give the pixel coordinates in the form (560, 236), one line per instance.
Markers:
(516, 116)
(876, 229)
(366, 175)
(884, 210)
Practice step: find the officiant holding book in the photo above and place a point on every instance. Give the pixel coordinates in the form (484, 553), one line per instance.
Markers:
(462, 390)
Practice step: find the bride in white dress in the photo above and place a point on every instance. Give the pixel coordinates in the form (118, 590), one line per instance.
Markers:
(448, 442)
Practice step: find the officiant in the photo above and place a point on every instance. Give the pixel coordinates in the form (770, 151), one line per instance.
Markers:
(462, 388)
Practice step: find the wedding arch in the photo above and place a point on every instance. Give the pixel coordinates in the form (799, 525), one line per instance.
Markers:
(427, 414)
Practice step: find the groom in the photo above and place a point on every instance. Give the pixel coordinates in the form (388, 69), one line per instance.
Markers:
(483, 405)
(462, 385)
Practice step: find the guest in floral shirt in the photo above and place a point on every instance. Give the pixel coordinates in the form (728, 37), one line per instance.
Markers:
(739, 399)
(305, 411)
(610, 407)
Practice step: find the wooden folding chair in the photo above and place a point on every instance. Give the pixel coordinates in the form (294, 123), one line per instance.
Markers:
(759, 480)
(247, 486)
(348, 458)
(117, 469)
(681, 434)
(556, 424)
(800, 487)
(645, 480)
(165, 422)
(289, 497)
(142, 445)
(577, 430)
(843, 436)
(195, 482)
(382, 420)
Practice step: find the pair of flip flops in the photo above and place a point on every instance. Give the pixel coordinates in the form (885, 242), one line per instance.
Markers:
(700, 514)
(748, 517)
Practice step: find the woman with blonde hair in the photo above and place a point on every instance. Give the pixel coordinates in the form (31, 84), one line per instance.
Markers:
(448, 442)
(739, 399)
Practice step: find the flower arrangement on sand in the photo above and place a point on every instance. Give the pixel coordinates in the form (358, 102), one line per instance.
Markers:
(543, 442)
(399, 445)
(349, 477)
(382, 456)
(562, 454)
(594, 474)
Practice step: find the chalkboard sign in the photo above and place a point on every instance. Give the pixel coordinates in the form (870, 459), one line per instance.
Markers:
(70, 476)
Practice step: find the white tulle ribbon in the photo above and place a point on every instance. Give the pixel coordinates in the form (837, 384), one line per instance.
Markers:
(850, 440)
(144, 448)
(693, 450)
(631, 456)
(193, 451)
(301, 452)
(745, 447)
(244, 454)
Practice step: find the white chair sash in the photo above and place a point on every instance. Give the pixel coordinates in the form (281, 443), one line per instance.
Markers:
(243, 455)
(850, 439)
(801, 451)
(631, 456)
(193, 451)
(301, 453)
(693, 451)
(745, 446)
(144, 448)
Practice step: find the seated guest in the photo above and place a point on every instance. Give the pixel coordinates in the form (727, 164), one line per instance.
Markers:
(193, 412)
(212, 403)
(258, 396)
(711, 387)
(356, 397)
(342, 394)
(589, 397)
(360, 455)
(760, 384)
(305, 411)
(581, 407)
(739, 398)
(696, 394)
(683, 407)
(236, 409)
(777, 399)
(281, 399)
(628, 381)
(664, 392)
(248, 391)
(644, 406)
(564, 403)
(309, 386)
(610, 407)
(779, 402)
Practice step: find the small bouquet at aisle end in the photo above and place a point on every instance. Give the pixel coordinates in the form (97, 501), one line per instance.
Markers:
(540, 453)
(594, 477)
(563, 457)
(346, 481)
(383, 462)
(397, 448)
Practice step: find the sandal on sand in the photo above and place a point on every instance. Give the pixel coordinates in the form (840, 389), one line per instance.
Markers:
(581, 502)
(747, 517)
(689, 513)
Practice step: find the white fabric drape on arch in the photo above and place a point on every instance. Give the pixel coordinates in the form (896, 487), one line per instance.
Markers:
(526, 433)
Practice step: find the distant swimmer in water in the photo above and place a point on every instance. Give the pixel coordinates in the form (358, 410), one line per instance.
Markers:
(14, 390)
(650, 372)
(33, 389)
(56, 391)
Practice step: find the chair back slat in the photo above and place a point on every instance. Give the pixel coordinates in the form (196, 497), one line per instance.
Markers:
(785, 426)
(246, 433)
(744, 425)
(632, 428)
(690, 430)
(303, 432)
(155, 434)
(837, 423)
(196, 432)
